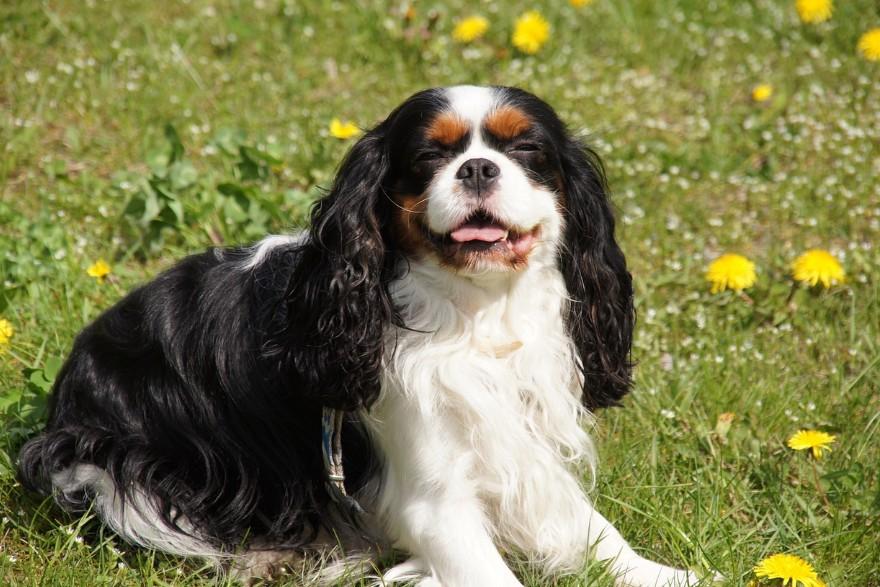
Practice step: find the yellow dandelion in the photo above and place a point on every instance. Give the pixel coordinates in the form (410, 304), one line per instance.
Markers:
(815, 440)
(869, 45)
(816, 266)
(731, 271)
(470, 29)
(762, 92)
(580, 3)
(99, 270)
(6, 333)
(531, 32)
(813, 11)
(343, 130)
(793, 571)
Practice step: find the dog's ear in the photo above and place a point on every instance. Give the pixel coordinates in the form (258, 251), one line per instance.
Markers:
(337, 299)
(600, 315)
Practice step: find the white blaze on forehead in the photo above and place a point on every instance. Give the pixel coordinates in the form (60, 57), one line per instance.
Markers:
(472, 103)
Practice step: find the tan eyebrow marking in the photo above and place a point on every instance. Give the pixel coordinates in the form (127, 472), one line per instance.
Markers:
(507, 122)
(447, 128)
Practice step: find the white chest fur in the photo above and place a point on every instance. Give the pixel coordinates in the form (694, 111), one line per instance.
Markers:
(481, 399)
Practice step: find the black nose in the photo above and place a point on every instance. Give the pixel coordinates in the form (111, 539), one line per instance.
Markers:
(478, 174)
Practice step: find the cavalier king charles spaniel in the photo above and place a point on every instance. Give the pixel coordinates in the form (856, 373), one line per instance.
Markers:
(457, 307)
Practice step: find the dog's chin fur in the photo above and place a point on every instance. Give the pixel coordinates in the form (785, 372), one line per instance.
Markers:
(189, 414)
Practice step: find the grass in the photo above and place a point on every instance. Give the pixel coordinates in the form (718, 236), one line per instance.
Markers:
(137, 132)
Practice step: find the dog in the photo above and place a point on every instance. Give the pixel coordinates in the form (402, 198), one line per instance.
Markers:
(446, 326)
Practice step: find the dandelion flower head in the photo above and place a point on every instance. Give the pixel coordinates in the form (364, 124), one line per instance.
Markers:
(815, 440)
(343, 130)
(793, 571)
(99, 269)
(869, 45)
(580, 3)
(814, 11)
(6, 332)
(531, 32)
(470, 29)
(731, 271)
(762, 92)
(817, 265)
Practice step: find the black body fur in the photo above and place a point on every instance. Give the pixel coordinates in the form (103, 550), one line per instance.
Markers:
(171, 390)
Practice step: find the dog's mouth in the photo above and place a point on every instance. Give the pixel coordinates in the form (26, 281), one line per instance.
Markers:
(483, 233)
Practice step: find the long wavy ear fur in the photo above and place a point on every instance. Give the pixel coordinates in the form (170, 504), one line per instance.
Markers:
(337, 299)
(600, 316)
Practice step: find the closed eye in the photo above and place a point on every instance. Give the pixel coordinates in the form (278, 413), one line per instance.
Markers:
(430, 156)
(525, 147)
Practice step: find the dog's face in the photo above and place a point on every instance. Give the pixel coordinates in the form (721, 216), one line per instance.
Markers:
(480, 181)
(475, 178)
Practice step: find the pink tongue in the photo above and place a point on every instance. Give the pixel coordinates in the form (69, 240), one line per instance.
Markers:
(473, 232)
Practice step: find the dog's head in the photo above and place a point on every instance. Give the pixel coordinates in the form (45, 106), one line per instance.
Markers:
(476, 180)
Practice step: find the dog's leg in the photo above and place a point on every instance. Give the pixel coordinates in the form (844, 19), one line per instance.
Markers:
(449, 535)
(630, 569)
(430, 504)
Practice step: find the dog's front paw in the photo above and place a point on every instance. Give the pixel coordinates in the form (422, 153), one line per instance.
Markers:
(644, 573)
(676, 578)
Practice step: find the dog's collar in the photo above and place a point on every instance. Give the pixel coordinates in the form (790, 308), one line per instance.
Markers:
(331, 448)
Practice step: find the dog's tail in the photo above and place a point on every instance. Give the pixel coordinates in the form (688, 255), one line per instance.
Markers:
(48, 465)
(42, 457)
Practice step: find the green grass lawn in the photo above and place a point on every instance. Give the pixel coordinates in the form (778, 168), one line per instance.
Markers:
(137, 132)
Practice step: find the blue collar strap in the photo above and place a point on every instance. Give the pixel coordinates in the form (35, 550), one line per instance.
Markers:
(331, 447)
